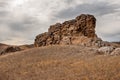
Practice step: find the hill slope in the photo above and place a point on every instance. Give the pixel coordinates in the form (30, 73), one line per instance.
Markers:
(59, 63)
(2, 47)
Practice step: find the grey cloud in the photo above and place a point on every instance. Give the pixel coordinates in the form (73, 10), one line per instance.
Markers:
(69, 1)
(97, 8)
(3, 4)
(24, 25)
(111, 35)
(3, 13)
(17, 26)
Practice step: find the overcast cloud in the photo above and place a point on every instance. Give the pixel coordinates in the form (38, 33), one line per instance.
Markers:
(22, 20)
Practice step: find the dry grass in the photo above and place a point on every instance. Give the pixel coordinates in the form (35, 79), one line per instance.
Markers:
(59, 63)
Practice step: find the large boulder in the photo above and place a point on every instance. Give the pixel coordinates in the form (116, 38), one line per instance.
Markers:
(116, 52)
(107, 50)
(80, 31)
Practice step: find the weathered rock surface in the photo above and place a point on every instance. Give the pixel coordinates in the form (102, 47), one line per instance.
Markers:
(79, 31)
(107, 50)
(10, 49)
(116, 52)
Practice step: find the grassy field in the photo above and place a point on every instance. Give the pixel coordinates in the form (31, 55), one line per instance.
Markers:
(59, 63)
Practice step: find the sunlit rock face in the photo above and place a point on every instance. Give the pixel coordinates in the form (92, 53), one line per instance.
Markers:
(79, 31)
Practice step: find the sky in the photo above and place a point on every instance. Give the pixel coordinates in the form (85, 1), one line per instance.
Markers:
(22, 20)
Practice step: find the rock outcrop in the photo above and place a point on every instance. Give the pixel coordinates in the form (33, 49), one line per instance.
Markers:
(79, 31)
(10, 49)
(4, 49)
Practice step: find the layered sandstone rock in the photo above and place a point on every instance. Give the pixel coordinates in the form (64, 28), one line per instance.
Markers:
(79, 31)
